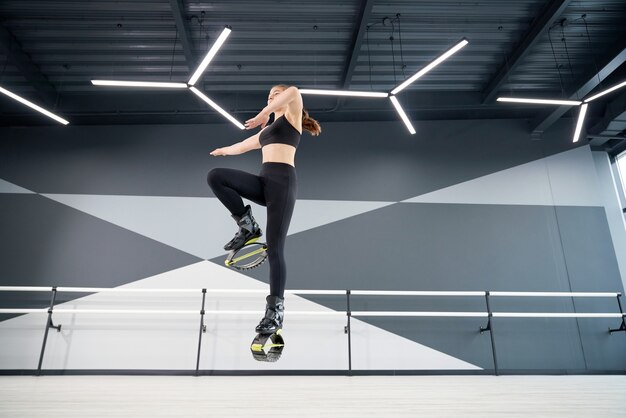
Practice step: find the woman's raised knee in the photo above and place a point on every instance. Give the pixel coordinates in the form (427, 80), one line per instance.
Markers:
(215, 176)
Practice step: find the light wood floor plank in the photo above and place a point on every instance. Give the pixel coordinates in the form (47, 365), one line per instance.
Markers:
(313, 396)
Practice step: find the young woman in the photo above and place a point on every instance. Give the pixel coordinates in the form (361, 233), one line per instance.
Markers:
(275, 187)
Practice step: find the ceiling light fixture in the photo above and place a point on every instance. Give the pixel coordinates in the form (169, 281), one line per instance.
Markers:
(583, 105)
(400, 87)
(540, 101)
(192, 81)
(430, 66)
(209, 56)
(607, 91)
(216, 107)
(33, 106)
(403, 115)
(344, 93)
(121, 83)
(579, 123)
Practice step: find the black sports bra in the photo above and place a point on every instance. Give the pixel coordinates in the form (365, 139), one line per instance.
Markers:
(280, 132)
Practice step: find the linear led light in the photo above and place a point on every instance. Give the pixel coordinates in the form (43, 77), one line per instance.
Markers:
(414, 293)
(557, 294)
(420, 313)
(539, 101)
(23, 311)
(344, 93)
(579, 123)
(120, 83)
(430, 66)
(403, 115)
(26, 289)
(33, 106)
(315, 292)
(607, 91)
(209, 56)
(555, 315)
(216, 107)
(121, 290)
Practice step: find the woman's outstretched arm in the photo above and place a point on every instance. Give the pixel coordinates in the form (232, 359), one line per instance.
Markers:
(289, 97)
(246, 145)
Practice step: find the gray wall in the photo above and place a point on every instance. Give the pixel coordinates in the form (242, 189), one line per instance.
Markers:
(462, 205)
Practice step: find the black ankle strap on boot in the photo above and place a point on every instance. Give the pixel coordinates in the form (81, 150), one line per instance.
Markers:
(274, 313)
(275, 309)
(275, 301)
(246, 220)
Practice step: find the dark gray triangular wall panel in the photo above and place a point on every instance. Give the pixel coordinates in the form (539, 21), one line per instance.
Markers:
(49, 244)
(420, 246)
(376, 161)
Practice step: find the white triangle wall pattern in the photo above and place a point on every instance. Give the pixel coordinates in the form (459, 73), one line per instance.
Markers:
(169, 342)
(7, 187)
(200, 226)
(565, 179)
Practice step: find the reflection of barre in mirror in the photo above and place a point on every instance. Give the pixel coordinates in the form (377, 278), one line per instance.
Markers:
(262, 350)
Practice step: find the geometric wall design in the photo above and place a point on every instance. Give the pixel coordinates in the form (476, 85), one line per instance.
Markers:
(199, 226)
(564, 179)
(530, 223)
(6, 187)
(162, 343)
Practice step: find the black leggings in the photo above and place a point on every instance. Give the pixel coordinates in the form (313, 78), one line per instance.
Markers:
(275, 187)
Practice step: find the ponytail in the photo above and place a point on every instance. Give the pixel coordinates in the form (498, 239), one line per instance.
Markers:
(310, 124)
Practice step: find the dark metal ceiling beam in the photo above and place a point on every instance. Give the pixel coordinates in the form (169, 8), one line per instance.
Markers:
(540, 25)
(11, 47)
(607, 133)
(613, 60)
(357, 40)
(355, 46)
(614, 120)
(178, 11)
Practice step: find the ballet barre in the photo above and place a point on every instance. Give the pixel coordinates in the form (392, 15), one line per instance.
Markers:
(489, 313)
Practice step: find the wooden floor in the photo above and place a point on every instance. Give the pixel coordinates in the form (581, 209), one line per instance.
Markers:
(313, 396)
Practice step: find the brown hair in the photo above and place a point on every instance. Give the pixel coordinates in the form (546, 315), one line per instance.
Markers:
(308, 123)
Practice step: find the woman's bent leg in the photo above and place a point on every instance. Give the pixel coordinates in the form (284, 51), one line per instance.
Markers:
(230, 185)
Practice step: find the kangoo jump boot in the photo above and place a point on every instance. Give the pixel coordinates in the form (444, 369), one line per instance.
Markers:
(274, 313)
(249, 231)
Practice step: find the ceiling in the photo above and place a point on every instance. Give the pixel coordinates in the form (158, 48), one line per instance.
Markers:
(50, 50)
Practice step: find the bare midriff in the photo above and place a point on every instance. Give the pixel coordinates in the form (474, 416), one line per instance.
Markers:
(279, 153)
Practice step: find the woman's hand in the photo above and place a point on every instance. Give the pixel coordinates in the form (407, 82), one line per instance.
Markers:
(261, 119)
(219, 151)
